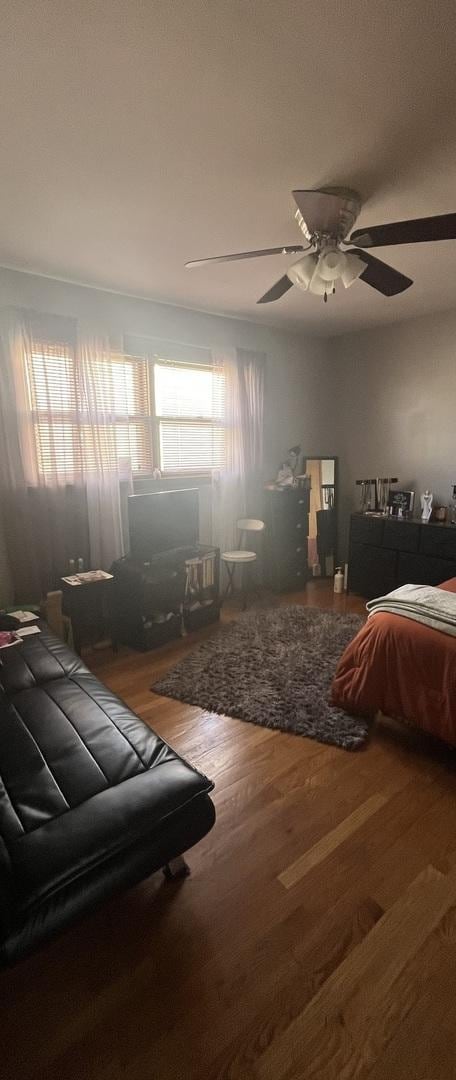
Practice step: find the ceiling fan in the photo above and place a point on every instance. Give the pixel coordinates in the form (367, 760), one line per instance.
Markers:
(325, 217)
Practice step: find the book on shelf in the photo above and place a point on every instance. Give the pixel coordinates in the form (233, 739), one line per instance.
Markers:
(201, 571)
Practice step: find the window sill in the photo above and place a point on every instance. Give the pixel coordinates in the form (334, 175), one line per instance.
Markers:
(186, 479)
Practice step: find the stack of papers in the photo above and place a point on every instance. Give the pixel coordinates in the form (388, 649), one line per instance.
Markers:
(27, 631)
(87, 577)
(23, 616)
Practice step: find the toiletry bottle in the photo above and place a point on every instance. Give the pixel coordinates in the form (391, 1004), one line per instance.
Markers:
(338, 580)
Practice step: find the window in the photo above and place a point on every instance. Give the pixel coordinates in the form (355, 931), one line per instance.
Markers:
(81, 421)
(189, 412)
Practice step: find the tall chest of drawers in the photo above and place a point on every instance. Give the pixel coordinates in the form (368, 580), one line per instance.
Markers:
(386, 552)
(286, 515)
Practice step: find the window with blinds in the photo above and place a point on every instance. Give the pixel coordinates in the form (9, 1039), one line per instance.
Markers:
(189, 412)
(88, 418)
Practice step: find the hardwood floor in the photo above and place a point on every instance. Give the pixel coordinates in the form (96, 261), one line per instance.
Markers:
(316, 936)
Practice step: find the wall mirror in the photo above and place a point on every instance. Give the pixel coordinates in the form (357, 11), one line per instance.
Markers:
(322, 541)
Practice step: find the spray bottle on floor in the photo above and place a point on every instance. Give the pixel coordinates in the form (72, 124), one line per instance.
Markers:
(338, 580)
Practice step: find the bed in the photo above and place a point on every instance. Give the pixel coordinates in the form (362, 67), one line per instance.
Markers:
(403, 669)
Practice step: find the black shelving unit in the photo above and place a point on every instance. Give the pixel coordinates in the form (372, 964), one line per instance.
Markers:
(156, 601)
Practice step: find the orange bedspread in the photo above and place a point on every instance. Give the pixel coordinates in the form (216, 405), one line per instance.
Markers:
(403, 668)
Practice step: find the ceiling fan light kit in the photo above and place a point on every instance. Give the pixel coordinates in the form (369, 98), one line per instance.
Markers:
(319, 274)
(302, 272)
(331, 264)
(325, 217)
(354, 267)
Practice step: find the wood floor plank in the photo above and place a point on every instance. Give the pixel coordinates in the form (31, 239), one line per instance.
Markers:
(420, 1046)
(343, 1029)
(331, 841)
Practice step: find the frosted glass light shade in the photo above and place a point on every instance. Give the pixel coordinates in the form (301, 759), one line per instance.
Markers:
(301, 272)
(332, 265)
(318, 286)
(354, 266)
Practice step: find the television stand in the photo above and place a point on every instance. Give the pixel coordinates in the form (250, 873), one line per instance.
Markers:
(164, 597)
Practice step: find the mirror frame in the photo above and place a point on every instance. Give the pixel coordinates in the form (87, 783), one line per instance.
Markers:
(327, 457)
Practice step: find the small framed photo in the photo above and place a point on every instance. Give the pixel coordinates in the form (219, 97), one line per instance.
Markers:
(401, 501)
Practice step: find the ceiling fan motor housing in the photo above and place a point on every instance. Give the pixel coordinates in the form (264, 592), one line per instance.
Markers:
(326, 216)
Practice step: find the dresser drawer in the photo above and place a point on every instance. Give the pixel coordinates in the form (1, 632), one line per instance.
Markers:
(291, 577)
(291, 532)
(294, 511)
(424, 570)
(439, 541)
(401, 535)
(371, 570)
(367, 530)
(287, 575)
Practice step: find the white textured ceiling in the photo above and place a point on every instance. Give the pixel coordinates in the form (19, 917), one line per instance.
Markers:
(137, 135)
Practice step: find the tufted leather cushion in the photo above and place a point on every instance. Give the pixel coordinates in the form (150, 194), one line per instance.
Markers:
(87, 792)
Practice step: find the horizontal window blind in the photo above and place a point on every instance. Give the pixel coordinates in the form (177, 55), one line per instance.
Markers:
(190, 446)
(87, 418)
(190, 411)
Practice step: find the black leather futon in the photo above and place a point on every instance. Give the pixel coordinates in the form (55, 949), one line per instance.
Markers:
(91, 800)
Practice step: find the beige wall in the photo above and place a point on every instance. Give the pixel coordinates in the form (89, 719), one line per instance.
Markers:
(297, 373)
(395, 390)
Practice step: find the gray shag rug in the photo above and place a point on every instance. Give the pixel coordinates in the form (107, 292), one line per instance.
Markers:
(273, 667)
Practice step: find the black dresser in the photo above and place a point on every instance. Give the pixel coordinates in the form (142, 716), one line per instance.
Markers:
(387, 552)
(286, 516)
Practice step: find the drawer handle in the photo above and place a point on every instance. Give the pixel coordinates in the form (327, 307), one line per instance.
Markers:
(299, 549)
(301, 502)
(299, 526)
(298, 573)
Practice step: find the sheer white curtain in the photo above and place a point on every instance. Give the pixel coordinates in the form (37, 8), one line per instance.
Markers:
(18, 464)
(104, 392)
(12, 478)
(64, 447)
(237, 488)
(32, 527)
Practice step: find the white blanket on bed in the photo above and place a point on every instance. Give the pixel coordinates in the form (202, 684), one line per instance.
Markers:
(422, 603)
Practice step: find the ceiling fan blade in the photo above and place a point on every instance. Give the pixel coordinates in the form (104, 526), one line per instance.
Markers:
(286, 249)
(281, 286)
(420, 230)
(380, 276)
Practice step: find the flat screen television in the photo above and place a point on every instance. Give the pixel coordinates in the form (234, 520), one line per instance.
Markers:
(161, 520)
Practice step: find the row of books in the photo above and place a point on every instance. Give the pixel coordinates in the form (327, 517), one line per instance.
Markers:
(200, 572)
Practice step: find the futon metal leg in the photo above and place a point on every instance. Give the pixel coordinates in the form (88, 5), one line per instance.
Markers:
(176, 868)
